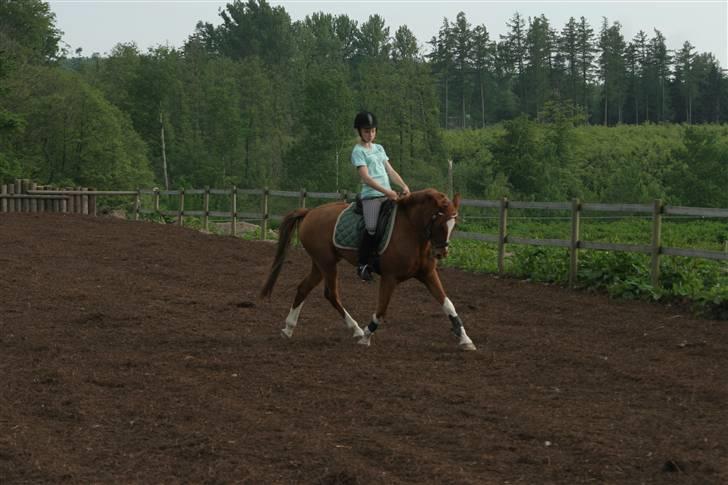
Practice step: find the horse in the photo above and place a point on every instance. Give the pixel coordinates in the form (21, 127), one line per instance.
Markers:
(421, 235)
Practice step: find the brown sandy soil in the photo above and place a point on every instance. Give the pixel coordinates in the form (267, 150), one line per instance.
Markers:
(138, 353)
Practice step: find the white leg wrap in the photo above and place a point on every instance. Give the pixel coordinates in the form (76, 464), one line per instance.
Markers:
(351, 323)
(449, 308)
(464, 341)
(291, 321)
(366, 338)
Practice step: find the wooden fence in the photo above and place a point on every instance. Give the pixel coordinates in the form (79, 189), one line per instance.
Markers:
(84, 201)
(27, 196)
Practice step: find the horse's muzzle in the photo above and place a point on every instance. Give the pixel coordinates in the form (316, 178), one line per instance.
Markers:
(440, 252)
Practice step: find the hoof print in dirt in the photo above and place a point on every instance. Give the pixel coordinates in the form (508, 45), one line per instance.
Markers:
(246, 304)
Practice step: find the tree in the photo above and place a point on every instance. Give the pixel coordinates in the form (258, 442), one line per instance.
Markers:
(482, 62)
(612, 69)
(404, 46)
(659, 62)
(462, 51)
(372, 41)
(685, 79)
(28, 32)
(568, 46)
(536, 76)
(253, 28)
(585, 59)
(442, 58)
(515, 40)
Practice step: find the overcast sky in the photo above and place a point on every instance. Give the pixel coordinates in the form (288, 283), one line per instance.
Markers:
(98, 25)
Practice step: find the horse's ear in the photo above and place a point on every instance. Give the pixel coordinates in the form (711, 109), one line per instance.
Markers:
(456, 201)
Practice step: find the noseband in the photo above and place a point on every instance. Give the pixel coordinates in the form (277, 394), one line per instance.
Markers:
(428, 230)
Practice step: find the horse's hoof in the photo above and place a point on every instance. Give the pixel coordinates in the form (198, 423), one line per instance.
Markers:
(358, 333)
(287, 332)
(366, 340)
(468, 346)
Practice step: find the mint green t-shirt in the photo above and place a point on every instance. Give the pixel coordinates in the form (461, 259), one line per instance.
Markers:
(375, 160)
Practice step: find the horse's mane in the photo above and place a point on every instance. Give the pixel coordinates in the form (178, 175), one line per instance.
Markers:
(427, 196)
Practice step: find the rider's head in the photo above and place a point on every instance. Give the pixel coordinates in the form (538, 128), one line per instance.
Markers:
(365, 124)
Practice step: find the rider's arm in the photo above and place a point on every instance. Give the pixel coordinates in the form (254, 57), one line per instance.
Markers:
(395, 177)
(364, 174)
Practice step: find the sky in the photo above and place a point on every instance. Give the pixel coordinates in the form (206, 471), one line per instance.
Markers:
(98, 25)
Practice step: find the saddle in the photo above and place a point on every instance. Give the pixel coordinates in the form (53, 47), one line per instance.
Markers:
(385, 210)
(350, 226)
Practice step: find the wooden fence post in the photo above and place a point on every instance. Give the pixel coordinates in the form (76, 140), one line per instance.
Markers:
(156, 200)
(656, 242)
(206, 208)
(92, 203)
(3, 201)
(302, 199)
(34, 203)
(450, 183)
(234, 211)
(502, 234)
(137, 203)
(18, 191)
(264, 210)
(574, 244)
(11, 202)
(181, 208)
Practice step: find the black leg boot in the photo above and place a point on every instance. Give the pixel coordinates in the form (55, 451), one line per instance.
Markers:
(364, 271)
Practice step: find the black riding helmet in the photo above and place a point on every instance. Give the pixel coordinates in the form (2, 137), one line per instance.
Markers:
(365, 119)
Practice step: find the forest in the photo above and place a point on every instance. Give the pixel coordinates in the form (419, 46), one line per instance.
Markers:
(544, 112)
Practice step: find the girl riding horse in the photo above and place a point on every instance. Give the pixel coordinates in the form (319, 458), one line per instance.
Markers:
(421, 234)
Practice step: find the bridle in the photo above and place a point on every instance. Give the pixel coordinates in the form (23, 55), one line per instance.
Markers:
(429, 226)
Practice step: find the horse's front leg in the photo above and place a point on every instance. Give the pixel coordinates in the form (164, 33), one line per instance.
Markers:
(432, 281)
(386, 288)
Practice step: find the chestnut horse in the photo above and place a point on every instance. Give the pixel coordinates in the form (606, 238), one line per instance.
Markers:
(421, 234)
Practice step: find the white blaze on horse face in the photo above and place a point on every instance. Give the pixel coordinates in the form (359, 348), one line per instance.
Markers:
(450, 227)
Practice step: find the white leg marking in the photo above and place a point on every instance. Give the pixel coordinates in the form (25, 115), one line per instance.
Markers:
(465, 343)
(366, 338)
(291, 321)
(351, 323)
(449, 308)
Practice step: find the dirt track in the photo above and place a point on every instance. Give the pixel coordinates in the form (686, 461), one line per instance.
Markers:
(135, 352)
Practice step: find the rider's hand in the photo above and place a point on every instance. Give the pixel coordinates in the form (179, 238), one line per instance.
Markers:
(405, 191)
(391, 194)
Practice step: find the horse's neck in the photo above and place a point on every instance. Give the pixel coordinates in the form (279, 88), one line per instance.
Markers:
(415, 217)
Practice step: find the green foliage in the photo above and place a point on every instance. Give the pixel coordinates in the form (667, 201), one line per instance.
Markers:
(71, 133)
(701, 284)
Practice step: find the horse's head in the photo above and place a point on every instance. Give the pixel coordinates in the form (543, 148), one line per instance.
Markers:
(437, 215)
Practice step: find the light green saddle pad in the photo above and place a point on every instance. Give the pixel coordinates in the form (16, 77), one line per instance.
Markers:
(350, 227)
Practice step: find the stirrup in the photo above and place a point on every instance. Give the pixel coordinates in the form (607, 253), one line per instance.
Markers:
(364, 272)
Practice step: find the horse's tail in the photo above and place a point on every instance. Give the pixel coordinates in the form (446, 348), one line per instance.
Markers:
(285, 233)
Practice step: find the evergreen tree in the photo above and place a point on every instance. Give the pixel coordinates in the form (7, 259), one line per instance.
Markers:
(612, 69)
(585, 59)
(482, 60)
(442, 58)
(537, 73)
(568, 46)
(462, 50)
(685, 81)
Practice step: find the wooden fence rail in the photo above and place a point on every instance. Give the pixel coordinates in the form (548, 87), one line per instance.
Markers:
(27, 196)
(24, 196)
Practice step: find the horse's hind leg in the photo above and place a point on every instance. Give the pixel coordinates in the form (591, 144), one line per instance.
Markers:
(331, 292)
(304, 288)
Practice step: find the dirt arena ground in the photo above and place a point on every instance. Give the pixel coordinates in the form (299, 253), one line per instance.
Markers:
(137, 353)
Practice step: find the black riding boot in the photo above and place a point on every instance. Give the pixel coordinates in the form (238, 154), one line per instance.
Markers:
(364, 270)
